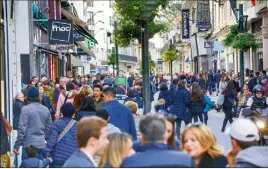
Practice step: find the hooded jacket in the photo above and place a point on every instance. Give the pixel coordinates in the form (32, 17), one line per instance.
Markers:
(253, 157)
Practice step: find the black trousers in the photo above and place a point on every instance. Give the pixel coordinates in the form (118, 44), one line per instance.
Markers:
(200, 116)
(227, 109)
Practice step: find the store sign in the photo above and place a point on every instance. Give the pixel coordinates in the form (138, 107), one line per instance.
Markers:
(78, 36)
(203, 14)
(65, 48)
(60, 32)
(185, 25)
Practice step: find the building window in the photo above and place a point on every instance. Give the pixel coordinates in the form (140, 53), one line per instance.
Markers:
(110, 3)
(90, 3)
(110, 20)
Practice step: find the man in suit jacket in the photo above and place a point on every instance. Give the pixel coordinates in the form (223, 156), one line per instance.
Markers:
(88, 142)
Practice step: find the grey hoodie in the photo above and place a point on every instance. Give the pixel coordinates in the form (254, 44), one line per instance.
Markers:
(110, 128)
(256, 156)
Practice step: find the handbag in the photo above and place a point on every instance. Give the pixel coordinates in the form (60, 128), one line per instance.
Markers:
(220, 100)
(7, 125)
(66, 129)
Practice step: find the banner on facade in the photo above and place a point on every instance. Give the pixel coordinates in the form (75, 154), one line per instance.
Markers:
(203, 14)
(185, 25)
(60, 32)
(78, 36)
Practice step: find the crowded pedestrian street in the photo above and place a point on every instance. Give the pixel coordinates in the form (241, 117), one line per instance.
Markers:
(134, 84)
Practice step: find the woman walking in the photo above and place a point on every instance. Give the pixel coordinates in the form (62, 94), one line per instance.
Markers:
(181, 101)
(230, 97)
(87, 109)
(198, 103)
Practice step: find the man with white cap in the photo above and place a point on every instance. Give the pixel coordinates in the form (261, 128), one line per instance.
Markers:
(246, 151)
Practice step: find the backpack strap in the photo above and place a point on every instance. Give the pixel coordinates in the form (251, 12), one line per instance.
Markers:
(66, 129)
(41, 164)
(65, 100)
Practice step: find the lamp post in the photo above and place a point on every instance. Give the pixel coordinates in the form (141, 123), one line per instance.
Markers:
(95, 14)
(100, 21)
(116, 50)
(150, 6)
(242, 28)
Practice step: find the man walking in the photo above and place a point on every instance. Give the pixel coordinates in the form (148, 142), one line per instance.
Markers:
(120, 115)
(155, 152)
(91, 139)
(217, 78)
(98, 99)
(35, 121)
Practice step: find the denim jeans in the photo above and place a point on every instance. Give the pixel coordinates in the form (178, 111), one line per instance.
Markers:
(41, 154)
(178, 127)
(210, 88)
(200, 116)
(205, 118)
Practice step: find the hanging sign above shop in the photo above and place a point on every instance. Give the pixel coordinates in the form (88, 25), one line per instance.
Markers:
(203, 14)
(185, 26)
(60, 32)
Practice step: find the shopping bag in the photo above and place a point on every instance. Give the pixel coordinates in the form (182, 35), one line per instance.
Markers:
(5, 161)
(220, 100)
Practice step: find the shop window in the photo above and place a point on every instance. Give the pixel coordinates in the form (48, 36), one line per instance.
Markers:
(256, 26)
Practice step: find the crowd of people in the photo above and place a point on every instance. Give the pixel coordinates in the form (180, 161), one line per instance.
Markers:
(78, 122)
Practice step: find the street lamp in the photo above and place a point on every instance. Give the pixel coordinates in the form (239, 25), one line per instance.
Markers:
(98, 31)
(242, 28)
(95, 14)
(150, 6)
(100, 21)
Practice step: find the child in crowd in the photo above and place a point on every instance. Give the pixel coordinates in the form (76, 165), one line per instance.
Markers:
(32, 161)
(134, 109)
(209, 105)
(160, 106)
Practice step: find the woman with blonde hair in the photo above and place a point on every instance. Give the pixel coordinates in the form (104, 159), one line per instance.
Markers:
(84, 92)
(200, 143)
(120, 147)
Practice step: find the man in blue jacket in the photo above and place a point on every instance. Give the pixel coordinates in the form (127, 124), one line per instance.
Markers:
(217, 78)
(155, 151)
(120, 115)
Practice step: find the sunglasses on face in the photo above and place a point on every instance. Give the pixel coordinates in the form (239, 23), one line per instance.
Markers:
(259, 93)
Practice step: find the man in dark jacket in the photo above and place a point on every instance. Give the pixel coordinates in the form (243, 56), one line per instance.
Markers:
(210, 82)
(121, 116)
(202, 82)
(91, 139)
(35, 121)
(156, 152)
(217, 78)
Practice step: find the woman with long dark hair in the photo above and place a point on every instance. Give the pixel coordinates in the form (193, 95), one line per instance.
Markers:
(198, 103)
(230, 96)
(87, 109)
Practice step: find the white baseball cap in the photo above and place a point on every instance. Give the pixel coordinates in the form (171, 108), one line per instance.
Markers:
(244, 130)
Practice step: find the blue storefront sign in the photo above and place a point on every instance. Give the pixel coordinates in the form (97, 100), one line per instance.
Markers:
(185, 24)
(203, 14)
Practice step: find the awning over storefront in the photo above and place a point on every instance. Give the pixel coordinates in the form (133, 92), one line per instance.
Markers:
(75, 61)
(85, 49)
(127, 58)
(50, 51)
(79, 25)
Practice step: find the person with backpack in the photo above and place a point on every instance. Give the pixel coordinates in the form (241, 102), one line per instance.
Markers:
(198, 103)
(62, 137)
(66, 96)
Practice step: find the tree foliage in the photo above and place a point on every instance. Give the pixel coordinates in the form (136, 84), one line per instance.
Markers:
(170, 55)
(242, 41)
(112, 59)
(129, 13)
(152, 65)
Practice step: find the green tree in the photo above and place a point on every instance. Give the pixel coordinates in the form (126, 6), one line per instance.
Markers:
(112, 61)
(170, 56)
(242, 41)
(129, 26)
(152, 65)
